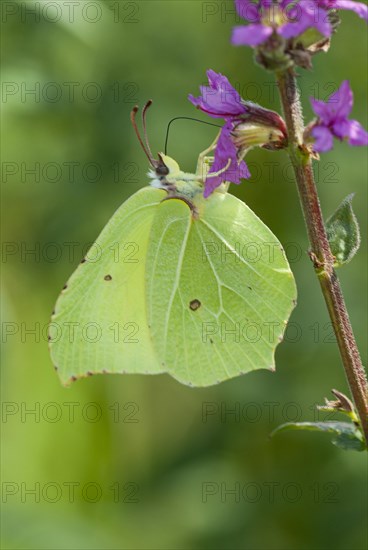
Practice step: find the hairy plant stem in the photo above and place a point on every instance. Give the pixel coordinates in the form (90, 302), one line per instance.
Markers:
(320, 252)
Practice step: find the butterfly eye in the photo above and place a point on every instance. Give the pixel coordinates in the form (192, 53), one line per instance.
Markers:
(162, 170)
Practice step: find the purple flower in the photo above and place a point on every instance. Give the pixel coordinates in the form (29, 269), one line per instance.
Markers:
(221, 100)
(226, 154)
(289, 18)
(246, 124)
(333, 120)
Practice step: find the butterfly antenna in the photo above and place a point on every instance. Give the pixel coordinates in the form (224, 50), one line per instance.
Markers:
(144, 112)
(185, 118)
(147, 152)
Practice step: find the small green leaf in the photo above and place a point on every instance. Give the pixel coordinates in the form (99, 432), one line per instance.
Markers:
(346, 435)
(343, 232)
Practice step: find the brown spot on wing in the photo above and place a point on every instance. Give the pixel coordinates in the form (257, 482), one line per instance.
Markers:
(195, 304)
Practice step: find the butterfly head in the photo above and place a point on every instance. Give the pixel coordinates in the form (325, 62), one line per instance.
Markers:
(167, 167)
(165, 173)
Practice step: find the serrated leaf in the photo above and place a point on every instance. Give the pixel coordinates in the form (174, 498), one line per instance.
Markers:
(346, 435)
(343, 232)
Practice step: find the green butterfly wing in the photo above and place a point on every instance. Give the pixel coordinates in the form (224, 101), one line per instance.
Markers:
(99, 323)
(219, 290)
(204, 297)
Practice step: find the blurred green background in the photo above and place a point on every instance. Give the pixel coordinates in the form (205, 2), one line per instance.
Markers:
(133, 462)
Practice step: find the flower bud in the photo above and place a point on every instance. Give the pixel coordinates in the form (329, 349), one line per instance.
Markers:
(247, 134)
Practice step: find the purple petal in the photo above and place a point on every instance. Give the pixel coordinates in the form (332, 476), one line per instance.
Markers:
(243, 172)
(225, 148)
(289, 30)
(248, 10)
(210, 185)
(357, 134)
(304, 15)
(218, 80)
(321, 109)
(337, 107)
(213, 78)
(221, 103)
(197, 101)
(340, 102)
(251, 35)
(351, 130)
(323, 139)
(221, 83)
(225, 151)
(357, 7)
(220, 99)
(340, 128)
(203, 105)
(322, 23)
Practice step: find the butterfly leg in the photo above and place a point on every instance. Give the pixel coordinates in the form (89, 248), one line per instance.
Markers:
(202, 169)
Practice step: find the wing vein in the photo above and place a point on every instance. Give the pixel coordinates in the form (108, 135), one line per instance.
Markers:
(177, 279)
(240, 258)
